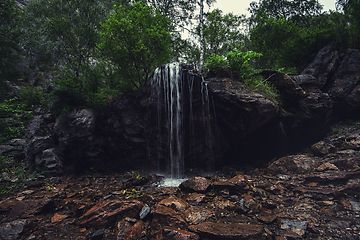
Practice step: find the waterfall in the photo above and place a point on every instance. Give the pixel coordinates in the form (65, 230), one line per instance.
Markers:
(168, 87)
(207, 122)
(183, 115)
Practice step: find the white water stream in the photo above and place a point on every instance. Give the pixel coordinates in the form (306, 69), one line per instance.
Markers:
(169, 85)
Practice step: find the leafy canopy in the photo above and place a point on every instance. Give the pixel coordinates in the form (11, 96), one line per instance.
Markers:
(9, 42)
(242, 63)
(137, 40)
(351, 10)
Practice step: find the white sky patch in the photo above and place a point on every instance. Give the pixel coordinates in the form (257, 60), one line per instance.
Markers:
(239, 7)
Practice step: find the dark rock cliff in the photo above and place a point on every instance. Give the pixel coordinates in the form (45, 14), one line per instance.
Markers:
(221, 122)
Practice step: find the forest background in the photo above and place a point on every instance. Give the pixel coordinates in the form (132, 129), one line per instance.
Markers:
(76, 53)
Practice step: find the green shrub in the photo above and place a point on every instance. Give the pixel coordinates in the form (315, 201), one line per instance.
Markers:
(242, 63)
(214, 62)
(13, 115)
(257, 84)
(31, 96)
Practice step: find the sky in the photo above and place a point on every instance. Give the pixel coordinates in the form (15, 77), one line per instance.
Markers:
(241, 6)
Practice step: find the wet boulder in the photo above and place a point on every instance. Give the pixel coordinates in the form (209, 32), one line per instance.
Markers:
(305, 110)
(195, 184)
(324, 65)
(293, 164)
(212, 230)
(344, 90)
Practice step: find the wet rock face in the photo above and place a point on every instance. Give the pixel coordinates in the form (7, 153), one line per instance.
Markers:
(69, 143)
(216, 116)
(324, 65)
(305, 110)
(221, 122)
(344, 90)
(338, 75)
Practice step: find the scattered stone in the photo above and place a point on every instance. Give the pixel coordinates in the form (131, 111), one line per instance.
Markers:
(293, 164)
(297, 226)
(195, 184)
(144, 211)
(137, 231)
(266, 216)
(165, 216)
(321, 148)
(108, 211)
(195, 198)
(169, 233)
(97, 235)
(174, 202)
(355, 206)
(12, 230)
(23, 209)
(58, 217)
(197, 214)
(228, 230)
(327, 166)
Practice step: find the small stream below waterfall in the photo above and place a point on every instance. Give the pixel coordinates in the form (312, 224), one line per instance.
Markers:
(171, 182)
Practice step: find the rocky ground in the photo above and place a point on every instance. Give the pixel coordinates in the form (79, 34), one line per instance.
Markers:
(313, 195)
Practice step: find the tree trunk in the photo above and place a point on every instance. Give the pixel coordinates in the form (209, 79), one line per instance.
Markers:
(202, 40)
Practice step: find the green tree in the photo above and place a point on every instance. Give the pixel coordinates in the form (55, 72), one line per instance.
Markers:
(289, 32)
(351, 10)
(137, 40)
(223, 33)
(63, 34)
(298, 10)
(9, 43)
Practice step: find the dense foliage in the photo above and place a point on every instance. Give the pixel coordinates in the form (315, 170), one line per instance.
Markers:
(136, 40)
(288, 33)
(9, 43)
(94, 50)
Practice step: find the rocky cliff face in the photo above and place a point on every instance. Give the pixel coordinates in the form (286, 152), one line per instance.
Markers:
(221, 122)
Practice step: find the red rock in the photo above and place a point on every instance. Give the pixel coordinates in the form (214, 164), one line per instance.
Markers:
(122, 227)
(228, 230)
(267, 216)
(175, 202)
(109, 211)
(197, 215)
(195, 184)
(327, 166)
(165, 216)
(137, 231)
(7, 204)
(222, 184)
(293, 164)
(169, 233)
(58, 217)
(221, 203)
(239, 180)
(23, 209)
(195, 198)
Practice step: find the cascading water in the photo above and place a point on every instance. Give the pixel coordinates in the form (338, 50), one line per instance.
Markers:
(168, 88)
(181, 111)
(207, 119)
